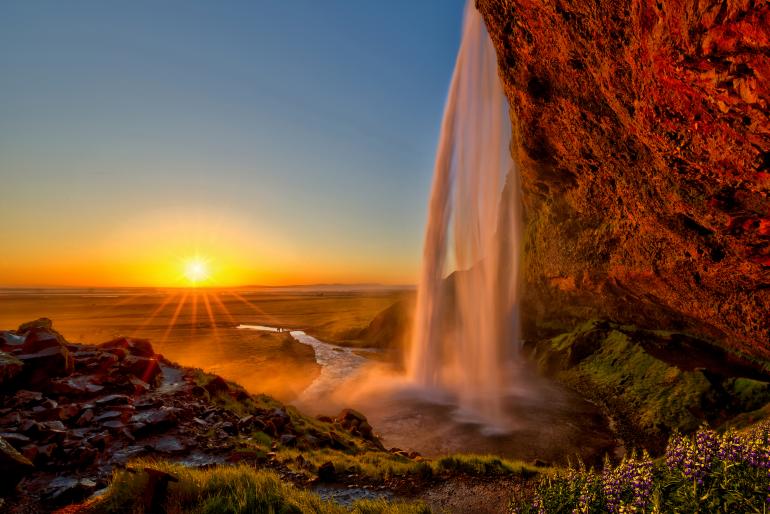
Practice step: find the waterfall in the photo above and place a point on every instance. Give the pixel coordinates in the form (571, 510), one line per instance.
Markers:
(466, 333)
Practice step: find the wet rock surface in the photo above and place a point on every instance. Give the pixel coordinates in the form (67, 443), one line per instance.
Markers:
(641, 129)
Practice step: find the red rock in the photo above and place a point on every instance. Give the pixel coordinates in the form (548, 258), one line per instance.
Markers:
(641, 132)
(11, 419)
(24, 398)
(100, 441)
(30, 427)
(37, 339)
(86, 418)
(10, 368)
(65, 490)
(137, 347)
(140, 386)
(30, 452)
(80, 386)
(40, 367)
(114, 424)
(154, 420)
(113, 399)
(43, 323)
(68, 412)
(10, 341)
(45, 453)
(144, 368)
(15, 439)
(110, 414)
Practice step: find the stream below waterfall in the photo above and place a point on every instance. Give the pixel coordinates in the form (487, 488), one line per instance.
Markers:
(549, 422)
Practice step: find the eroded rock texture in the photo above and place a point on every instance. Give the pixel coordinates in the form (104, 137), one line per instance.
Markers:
(643, 133)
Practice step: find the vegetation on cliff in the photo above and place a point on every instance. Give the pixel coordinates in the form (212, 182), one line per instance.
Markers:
(653, 383)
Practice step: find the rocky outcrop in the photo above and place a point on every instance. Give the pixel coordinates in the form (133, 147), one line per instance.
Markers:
(77, 416)
(643, 133)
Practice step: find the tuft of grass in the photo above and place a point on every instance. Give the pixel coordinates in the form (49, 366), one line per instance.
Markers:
(483, 466)
(225, 489)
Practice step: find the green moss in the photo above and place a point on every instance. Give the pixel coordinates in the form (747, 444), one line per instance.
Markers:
(601, 360)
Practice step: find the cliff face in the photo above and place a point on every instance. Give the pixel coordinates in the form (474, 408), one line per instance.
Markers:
(643, 134)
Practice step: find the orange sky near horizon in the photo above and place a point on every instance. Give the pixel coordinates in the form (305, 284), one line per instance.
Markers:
(153, 251)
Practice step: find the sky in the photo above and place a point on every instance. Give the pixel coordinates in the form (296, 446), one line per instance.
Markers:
(278, 142)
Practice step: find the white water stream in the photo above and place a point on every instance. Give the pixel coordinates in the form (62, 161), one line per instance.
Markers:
(338, 364)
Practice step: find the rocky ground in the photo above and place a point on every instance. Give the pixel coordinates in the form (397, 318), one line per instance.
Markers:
(71, 413)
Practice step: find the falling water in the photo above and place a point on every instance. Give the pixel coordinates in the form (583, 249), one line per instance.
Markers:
(466, 326)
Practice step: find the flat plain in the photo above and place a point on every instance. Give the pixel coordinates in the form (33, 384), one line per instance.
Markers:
(197, 327)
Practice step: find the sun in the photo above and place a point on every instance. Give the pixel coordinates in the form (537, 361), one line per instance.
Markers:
(196, 270)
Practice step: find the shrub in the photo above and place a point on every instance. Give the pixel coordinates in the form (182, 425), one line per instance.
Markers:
(706, 472)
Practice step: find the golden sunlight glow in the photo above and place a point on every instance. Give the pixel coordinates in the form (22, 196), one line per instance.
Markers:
(196, 270)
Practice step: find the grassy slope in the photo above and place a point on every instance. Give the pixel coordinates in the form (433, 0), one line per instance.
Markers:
(233, 489)
(242, 488)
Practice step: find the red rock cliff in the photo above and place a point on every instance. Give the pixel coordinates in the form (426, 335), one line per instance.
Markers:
(643, 133)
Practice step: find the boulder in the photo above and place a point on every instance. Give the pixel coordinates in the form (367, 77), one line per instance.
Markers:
(10, 368)
(40, 367)
(349, 417)
(113, 399)
(40, 323)
(15, 439)
(13, 466)
(37, 339)
(217, 385)
(326, 472)
(145, 368)
(136, 347)
(64, 490)
(81, 386)
(154, 420)
(10, 341)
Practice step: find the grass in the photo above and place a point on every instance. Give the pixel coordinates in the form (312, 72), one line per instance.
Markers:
(483, 466)
(378, 466)
(225, 489)
(242, 489)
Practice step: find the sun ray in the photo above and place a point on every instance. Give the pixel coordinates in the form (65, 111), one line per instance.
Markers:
(224, 309)
(272, 320)
(122, 303)
(172, 323)
(194, 303)
(155, 313)
(210, 313)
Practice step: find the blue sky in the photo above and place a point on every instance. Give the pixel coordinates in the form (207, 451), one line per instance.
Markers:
(309, 126)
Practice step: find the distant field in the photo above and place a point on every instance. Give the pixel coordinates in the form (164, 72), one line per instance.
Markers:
(197, 327)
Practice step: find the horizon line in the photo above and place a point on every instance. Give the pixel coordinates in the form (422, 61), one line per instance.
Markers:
(246, 286)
